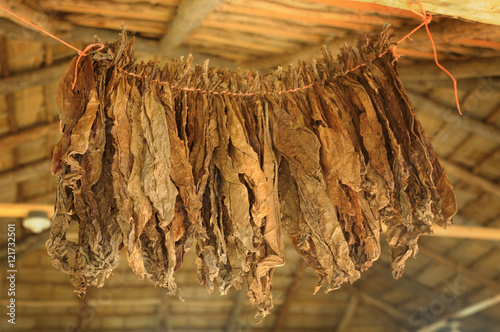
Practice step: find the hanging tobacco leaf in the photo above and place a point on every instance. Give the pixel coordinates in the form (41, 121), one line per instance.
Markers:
(159, 160)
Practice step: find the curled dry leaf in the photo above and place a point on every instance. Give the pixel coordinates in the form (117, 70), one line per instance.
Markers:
(154, 169)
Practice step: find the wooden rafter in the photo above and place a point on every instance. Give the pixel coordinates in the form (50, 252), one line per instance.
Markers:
(25, 246)
(383, 306)
(10, 210)
(292, 58)
(468, 232)
(462, 313)
(50, 24)
(463, 232)
(9, 98)
(443, 33)
(469, 177)
(190, 15)
(461, 69)
(466, 272)
(409, 283)
(33, 77)
(23, 173)
(27, 135)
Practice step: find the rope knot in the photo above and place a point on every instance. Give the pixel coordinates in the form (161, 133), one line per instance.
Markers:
(82, 54)
(427, 19)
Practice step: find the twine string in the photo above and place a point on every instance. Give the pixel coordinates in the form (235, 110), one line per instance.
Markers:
(426, 19)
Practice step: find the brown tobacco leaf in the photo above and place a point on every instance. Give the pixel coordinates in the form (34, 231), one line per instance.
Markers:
(229, 161)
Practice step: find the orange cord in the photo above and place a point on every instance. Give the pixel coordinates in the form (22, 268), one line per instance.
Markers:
(426, 19)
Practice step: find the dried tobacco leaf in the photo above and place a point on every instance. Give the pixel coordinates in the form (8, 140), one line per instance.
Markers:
(158, 160)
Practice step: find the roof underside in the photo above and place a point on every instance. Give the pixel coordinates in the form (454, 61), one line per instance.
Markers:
(448, 274)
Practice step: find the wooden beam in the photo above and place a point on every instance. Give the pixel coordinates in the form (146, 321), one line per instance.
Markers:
(352, 305)
(309, 52)
(197, 329)
(443, 33)
(23, 173)
(190, 15)
(124, 10)
(27, 135)
(33, 77)
(54, 72)
(25, 246)
(86, 34)
(91, 302)
(280, 12)
(9, 98)
(465, 232)
(232, 324)
(18, 210)
(461, 69)
(292, 290)
(468, 232)
(50, 24)
(410, 284)
(385, 307)
(365, 7)
(462, 313)
(450, 115)
(472, 275)
(472, 10)
(473, 179)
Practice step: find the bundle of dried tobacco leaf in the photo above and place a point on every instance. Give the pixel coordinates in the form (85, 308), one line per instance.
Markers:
(154, 167)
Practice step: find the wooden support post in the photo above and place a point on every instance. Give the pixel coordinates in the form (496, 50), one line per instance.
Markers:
(164, 324)
(349, 313)
(190, 15)
(292, 290)
(232, 324)
(82, 314)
